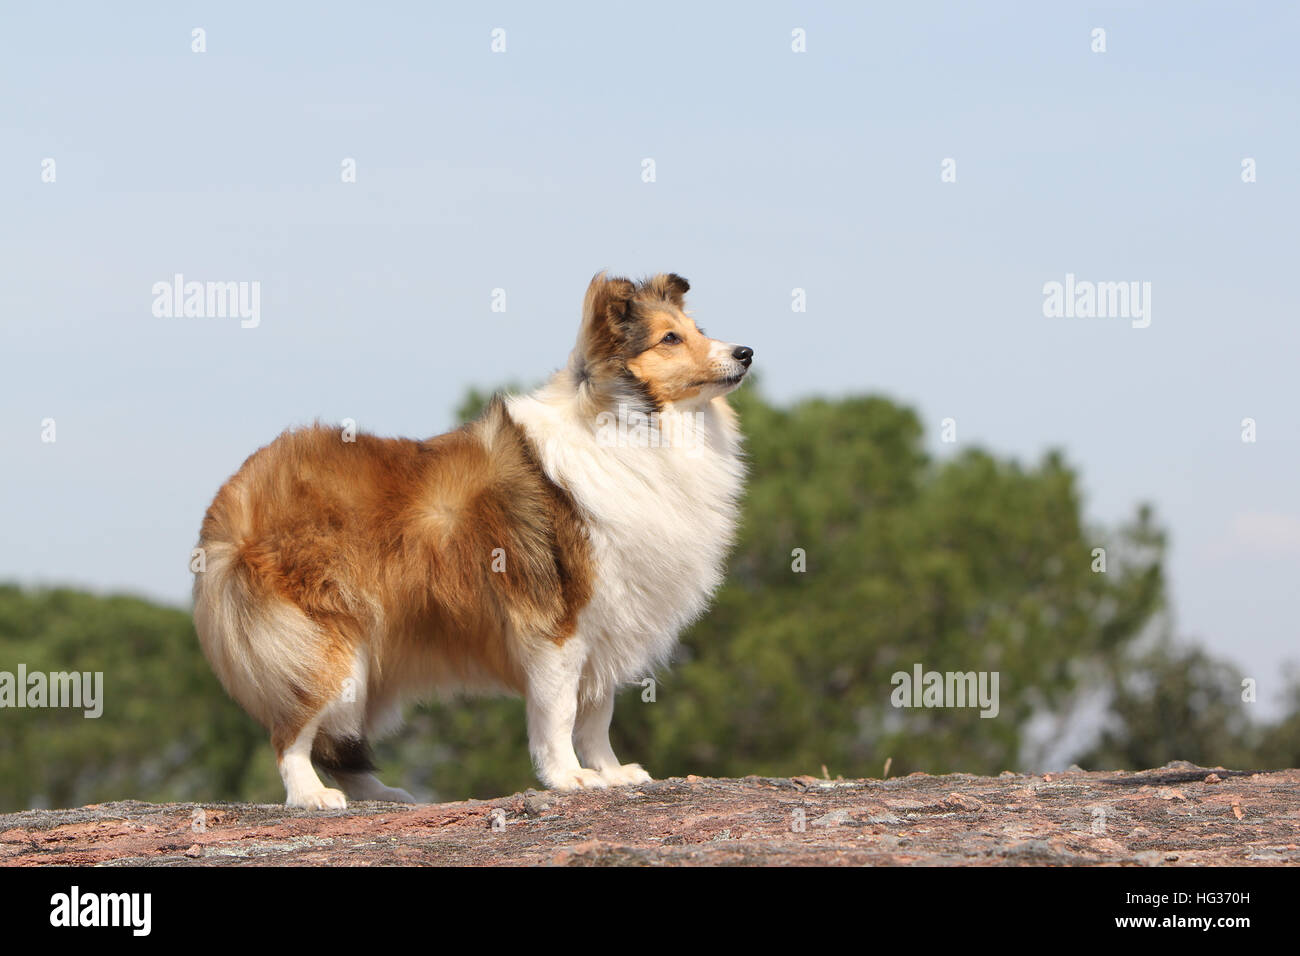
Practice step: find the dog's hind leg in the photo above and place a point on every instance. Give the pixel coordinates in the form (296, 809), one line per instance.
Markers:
(334, 739)
(302, 787)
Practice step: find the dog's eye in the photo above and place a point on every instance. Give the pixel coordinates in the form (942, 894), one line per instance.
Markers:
(670, 339)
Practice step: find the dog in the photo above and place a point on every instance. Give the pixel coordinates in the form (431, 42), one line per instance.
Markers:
(553, 548)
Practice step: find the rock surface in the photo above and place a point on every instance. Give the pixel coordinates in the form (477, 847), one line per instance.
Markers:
(1177, 815)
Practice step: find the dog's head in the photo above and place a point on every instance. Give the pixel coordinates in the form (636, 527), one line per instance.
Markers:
(637, 343)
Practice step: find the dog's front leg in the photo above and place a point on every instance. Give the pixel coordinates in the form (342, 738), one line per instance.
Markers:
(554, 672)
(592, 737)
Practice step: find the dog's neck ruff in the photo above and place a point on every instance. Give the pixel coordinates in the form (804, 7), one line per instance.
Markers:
(661, 515)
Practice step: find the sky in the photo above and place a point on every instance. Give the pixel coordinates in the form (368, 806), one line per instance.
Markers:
(524, 170)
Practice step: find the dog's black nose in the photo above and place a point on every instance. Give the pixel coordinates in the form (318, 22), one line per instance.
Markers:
(743, 355)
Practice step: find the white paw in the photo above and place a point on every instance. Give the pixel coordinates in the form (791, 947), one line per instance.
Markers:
(576, 780)
(322, 799)
(629, 773)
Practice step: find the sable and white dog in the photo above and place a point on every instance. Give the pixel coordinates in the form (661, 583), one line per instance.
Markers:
(554, 548)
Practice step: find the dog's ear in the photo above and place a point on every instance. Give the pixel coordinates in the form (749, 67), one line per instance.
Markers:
(607, 301)
(677, 287)
(670, 287)
(606, 317)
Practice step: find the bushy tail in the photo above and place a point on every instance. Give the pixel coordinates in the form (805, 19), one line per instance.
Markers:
(266, 651)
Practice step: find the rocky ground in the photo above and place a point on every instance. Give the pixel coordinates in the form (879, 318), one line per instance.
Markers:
(1179, 815)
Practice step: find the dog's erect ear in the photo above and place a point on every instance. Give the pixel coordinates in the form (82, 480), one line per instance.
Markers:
(606, 315)
(677, 288)
(607, 301)
(667, 286)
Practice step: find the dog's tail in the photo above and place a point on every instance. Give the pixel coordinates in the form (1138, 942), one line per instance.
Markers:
(268, 654)
(265, 651)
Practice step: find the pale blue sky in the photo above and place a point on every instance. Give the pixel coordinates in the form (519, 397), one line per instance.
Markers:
(775, 170)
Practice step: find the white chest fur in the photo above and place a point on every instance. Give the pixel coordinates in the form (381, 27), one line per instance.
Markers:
(661, 518)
